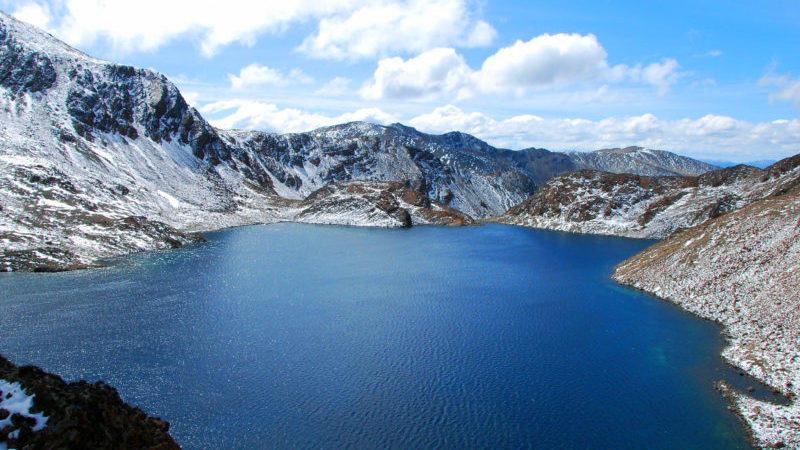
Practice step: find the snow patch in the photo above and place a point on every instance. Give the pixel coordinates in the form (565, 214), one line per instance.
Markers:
(14, 400)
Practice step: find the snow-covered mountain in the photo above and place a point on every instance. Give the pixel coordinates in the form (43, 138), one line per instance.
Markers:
(742, 270)
(640, 161)
(99, 159)
(590, 201)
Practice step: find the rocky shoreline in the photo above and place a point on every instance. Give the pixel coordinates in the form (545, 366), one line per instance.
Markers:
(44, 411)
(741, 271)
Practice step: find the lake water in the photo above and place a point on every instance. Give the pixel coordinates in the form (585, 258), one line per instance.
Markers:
(312, 336)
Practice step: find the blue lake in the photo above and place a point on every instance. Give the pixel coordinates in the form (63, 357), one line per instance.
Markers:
(292, 335)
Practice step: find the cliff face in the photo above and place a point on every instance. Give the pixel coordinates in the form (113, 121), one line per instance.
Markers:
(742, 270)
(40, 410)
(590, 201)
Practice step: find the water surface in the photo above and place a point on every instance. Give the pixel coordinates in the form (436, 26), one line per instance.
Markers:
(311, 336)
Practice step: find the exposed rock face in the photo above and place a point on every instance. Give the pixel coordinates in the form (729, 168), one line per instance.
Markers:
(742, 270)
(589, 201)
(469, 179)
(376, 203)
(78, 415)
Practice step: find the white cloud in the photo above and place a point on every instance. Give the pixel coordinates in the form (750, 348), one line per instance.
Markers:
(711, 136)
(662, 75)
(434, 72)
(254, 115)
(336, 86)
(788, 89)
(546, 61)
(346, 28)
(256, 75)
(34, 14)
(379, 28)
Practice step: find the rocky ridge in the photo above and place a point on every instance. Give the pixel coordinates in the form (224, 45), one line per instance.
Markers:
(741, 270)
(653, 163)
(74, 415)
(590, 201)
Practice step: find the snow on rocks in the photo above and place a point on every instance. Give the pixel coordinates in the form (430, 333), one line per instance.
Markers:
(742, 271)
(375, 203)
(41, 410)
(15, 409)
(589, 201)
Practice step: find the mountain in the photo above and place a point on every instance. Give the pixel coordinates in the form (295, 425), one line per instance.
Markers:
(459, 172)
(741, 270)
(99, 159)
(640, 161)
(761, 163)
(589, 201)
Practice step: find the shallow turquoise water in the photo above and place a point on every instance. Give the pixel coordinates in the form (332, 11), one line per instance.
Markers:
(311, 336)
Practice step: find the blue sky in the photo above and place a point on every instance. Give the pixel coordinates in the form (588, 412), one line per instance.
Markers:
(713, 79)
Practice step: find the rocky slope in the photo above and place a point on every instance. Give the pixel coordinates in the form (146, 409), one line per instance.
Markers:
(742, 270)
(379, 203)
(100, 159)
(596, 202)
(40, 410)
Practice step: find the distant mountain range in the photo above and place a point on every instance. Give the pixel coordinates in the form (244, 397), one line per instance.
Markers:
(100, 159)
(761, 163)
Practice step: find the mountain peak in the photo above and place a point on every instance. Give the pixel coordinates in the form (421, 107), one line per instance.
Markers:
(34, 39)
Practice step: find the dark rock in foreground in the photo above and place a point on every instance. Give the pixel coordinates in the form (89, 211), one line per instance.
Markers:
(79, 416)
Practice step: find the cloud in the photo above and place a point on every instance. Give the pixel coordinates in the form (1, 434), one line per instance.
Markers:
(336, 86)
(344, 28)
(434, 72)
(711, 136)
(254, 115)
(662, 75)
(788, 89)
(545, 61)
(380, 28)
(34, 14)
(256, 75)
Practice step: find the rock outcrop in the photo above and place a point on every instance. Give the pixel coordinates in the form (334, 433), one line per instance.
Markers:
(377, 203)
(72, 415)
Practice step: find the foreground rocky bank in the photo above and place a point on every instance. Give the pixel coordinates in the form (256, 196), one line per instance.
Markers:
(41, 410)
(741, 270)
